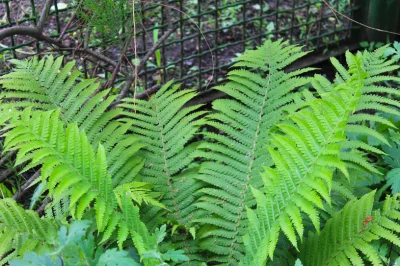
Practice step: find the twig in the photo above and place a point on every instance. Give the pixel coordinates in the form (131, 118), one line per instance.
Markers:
(44, 14)
(5, 173)
(147, 93)
(7, 156)
(124, 91)
(24, 188)
(141, 96)
(154, 48)
(40, 211)
(69, 22)
(135, 51)
(120, 60)
(29, 31)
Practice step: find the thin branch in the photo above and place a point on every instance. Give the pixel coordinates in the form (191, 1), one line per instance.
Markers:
(35, 33)
(5, 174)
(7, 156)
(141, 96)
(44, 14)
(154, 48)
(147, 93)
(24, 188)
(124, 91)
(357, 22)
(40, 211)
(129, 81)
(120, 60)
(69, 22)
(29, 31)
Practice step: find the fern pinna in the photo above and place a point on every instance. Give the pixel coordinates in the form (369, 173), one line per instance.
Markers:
(42, 85)
(235, 158)
(352, 229)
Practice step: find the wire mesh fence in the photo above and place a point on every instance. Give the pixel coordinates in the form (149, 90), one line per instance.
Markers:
(207, 35)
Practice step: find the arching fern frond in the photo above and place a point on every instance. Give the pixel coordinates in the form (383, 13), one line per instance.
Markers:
(23, 231)
(69, 164)
(347, 236)
(166, 127)
(305, 152)
(260, 91)
(44, 85)
(70, 167)
(372, 100)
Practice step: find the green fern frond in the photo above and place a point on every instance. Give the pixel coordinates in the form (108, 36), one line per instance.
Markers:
(235, 159)
(166, 127)
(371, 100)
(305, 153)
(23, 231)
(347, 236)
(70, 166)
(44, 85)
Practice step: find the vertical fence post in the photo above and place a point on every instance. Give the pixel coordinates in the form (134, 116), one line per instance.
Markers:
(380, 14)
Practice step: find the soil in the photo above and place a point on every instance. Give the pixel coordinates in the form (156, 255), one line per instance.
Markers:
(229, 16)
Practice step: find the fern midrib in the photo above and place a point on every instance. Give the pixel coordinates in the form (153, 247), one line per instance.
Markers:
(169, 177)
(251, 161)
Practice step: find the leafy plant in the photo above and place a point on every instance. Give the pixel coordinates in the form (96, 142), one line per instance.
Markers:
(276, 174)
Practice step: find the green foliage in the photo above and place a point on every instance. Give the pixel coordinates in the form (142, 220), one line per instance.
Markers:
(42, 85)
(234, 160)
(352, 229)
(166, 127)
(275, 174)
(305, 152)
(74, 246)
(111, 18)
(22, 230)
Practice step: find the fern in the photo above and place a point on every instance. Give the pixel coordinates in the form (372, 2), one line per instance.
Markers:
(22, 230)
(42, 85)
(352, 230)
(70, 167)
(304, 153)
(166, 128)
(371, 100)
(68, 161)
(235, 159)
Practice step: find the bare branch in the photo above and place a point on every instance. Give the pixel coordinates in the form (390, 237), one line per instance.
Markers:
(5, 174)
(40, 211)
(147, 93)
(144, 95)
(7, 156)
(44, 14)
(154, 48)
(29, 31)
(124, 91)
(17, 196)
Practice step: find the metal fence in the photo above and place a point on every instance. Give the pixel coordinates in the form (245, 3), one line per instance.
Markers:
(208, 34)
